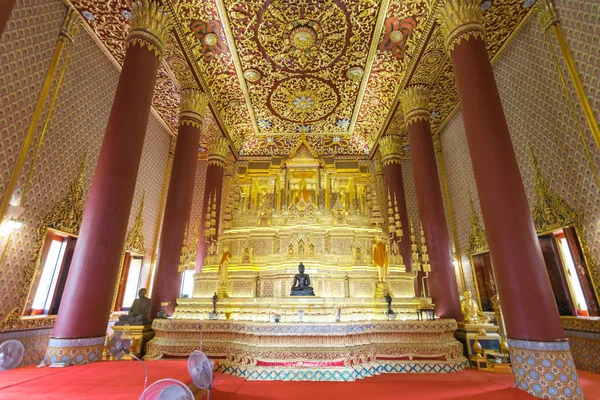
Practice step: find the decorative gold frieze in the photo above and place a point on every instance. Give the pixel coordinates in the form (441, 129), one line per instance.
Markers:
(150, 25)
(65, 216)
(546, 13)
(70, 26)
(460, 19)
(217, 151)
(135, 241)
(477, 239)
(192, 108)
(390, 148)
(415, 104)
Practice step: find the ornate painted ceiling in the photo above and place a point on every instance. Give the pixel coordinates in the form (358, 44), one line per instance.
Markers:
(276, 68)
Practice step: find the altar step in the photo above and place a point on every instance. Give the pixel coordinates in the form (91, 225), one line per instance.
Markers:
(313, 351)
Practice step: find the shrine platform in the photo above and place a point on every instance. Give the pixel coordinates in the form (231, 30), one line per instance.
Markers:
(313, 351)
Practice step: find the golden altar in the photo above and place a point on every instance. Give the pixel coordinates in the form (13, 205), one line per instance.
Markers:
(326, 214)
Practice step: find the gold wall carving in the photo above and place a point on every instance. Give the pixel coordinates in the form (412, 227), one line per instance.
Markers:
(65, 216)
(477, 239)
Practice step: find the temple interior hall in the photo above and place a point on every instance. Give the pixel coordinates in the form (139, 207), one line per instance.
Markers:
(292, 199)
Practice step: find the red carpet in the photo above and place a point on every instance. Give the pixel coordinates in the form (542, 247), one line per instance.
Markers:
(124, 380)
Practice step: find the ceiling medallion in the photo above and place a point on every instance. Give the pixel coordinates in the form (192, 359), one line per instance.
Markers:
(303, 99)
(211, 39)
(306, 36)
(397, 33)
(252, 75)
(355, 74)
(432, 58)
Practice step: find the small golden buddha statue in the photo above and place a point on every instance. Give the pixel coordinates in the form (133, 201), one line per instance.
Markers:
(470, 310)
(302, 193)
(225, 257)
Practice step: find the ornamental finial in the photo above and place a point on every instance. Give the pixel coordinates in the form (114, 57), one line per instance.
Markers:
(192, 107)
(150, 25)
(415, 104)
(460, 19)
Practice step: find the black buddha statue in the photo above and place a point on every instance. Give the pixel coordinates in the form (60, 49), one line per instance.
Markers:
(301, 285)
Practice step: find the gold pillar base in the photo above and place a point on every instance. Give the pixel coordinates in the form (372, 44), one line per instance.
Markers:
(545, 369)
(73, 351)
(222, 292)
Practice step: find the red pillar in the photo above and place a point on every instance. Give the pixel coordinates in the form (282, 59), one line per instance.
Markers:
(6, 7)
(390, 148)
(530, 313)
(179, 201)
(217, 151)
(430, 204)
(80, 327)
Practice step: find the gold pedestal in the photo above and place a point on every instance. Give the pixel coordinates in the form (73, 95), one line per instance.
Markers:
(381, 290)
(139, 335)
(222, 291)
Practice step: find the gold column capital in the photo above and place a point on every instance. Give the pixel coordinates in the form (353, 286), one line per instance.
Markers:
(150, 25)
(390, 149)
(415, 104)
(546, 13)
(217, 151)
(460, 19)
(192, 107)
(70, 26)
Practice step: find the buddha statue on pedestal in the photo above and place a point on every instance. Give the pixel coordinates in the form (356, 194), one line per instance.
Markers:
(301, 285)
(138, 313)
(470, 310)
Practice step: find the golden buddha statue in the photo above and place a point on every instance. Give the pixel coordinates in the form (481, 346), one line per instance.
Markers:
(225, 257)
(302, 193)
(470, 310)
(380, 259)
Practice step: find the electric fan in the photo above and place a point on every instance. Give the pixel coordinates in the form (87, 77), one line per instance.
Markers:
(167, 389)
(11, 354)
(201, 371)
(120, 344)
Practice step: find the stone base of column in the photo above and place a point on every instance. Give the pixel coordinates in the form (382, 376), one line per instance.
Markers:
(545, 369)
(74, 351)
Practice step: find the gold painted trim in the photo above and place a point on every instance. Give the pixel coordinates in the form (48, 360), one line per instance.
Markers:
(383, 9)
(16, 172)
(236, 62)
(161, 214)
(572, 109)
(457, 252)
(36, 153)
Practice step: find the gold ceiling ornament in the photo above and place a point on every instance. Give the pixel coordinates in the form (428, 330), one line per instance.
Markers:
(66, 216)
(390, 147)
(415, 103)
(477, 239)
(551, 211)
(135, 241)
(192, 108)
(218, 151)
(70, 26)
(460, 19)
(546, 13)
(150, 26)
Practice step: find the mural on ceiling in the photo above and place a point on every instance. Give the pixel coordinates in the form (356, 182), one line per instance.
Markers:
(331, 69)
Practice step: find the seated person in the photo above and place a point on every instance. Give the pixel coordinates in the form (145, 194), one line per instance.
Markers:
(301, 285)
(138, 313)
